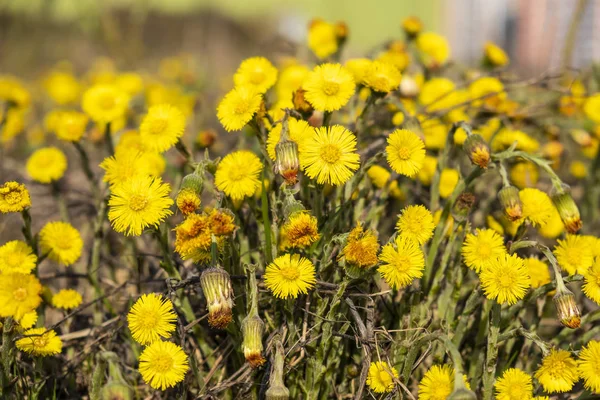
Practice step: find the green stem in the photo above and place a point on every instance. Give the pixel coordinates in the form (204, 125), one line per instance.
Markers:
(489, 372)
(266, 222)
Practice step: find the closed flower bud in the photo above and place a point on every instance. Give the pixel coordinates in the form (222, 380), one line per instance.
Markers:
(567, 209)
(477, 150)
(463, 206)
(193, 181)
(412, 26)
(216, 286)
(511, 202)
(206, 138)
(300, 103)
(252, 330)
(341, 31)
(287, 163)
(566, 308)
(116, 391)
(277, 389)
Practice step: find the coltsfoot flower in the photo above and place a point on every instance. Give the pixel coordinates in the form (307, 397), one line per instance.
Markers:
(46, 165)
(401, 262)
(238, 107)
(238, 174)
(67, 299)
(558, 372)
(361, 248)
(329, 87)
(574, 254)
(14, 197)
(289, 275)
(17, 257)
(405, 152)
(19, 295)
(61, 241)
(481, 248)
(151, 318)
(301, 230)
(381, 377)
(438, 383)
(505, 279)
(416, 223)
(256, 73)
(163, 364)
(514, 385)
(40, 342)
(162, 127)
(589, 359)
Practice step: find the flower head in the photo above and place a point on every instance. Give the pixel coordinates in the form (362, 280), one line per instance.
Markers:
(46, 165)
(126, 165)
(330, 155)
(574, 254)
(40, 342)
(301, 230)
(381, 377)
(537, 206)
(322, 38)
(514, 385)
(558, 372)
(187, 201)
(14, 197)
(405, 152)
(495, 55)
(138, 204)
(67, 299)
(19, 294)
(481, 248)
(329, 87)
(256, 73)
(589, 362)
(290, 80)
(382, 77)
(28, 320)
(163, 364)
(150, 318)
(505, 279)
(71, 125)
(299, 131)
(438, 383)
(448, 180)
(238, 107)
(289, 275)
(238, 174)
(17, 257)
(433, 48)
(105, 103)
(216, 286)
(361, 247)
(401, 262)
(538, 271)
(61, 241)
(162, 127)
(591, 282)
(416, 223)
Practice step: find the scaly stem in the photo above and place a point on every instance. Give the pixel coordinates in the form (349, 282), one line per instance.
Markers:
(489, 372)
(266, 222)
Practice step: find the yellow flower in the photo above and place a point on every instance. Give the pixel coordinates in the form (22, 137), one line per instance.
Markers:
(62, 87)
(437, 383)
(290, 80)
(359, 68)
(487, 91)
(506, 137)
(524, 174)
(162, 127)
(382, 77)
(381, 377)
(12, 125)
(514, 385)
(238, 174)
(574, 254)
(14, 197)
(256, 73)
(505, 279)
(591, 107)
(416, 223)
(126, 165)
(193, 237)
(301, 230)
(436, 94)
(589, 359)
(426, 173)
(591, 282)
(61, 242)
(554, 227)
(538, 271)
(40, 342)
(19, 294)
(412, 25)
(578, 169)
(17, 257)
(238, 107)
(329, 87)
(330, 155)
(299, 131)
(187, 201)
(448, 180)
(46, 165)
(537, 206)
(494, 225)
(289, 275)
(405, 152)
(28, 320)
(480, 249)
(402, 262)
(558, 372)
(322, 38)
(130, 82)
(138, 204)
(434, 49)
(67, 299)
(379, 176)
(495, 55)
(71, 125)
(105, 103)
(150, 318)
(435, 133)
(163, 365)
(361, 248)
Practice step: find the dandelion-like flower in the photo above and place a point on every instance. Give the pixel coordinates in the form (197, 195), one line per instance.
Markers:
(238, 174)
(361, 247)
(322, 38)
(591, 282)
(329, 87)
(448, 180)
(481, 248)
(19, 294)
(193, 237)
(187, 201)
(150, 318)
(330, 155)
(238, 107)
(67, 299)
(405, 152)
(125, 165)
(28, 320)
(589, 364)
(61, 241)
(46, 165)
(537, 206)
(574, 254)
(438, 383)
(434, 49)
(416, 223)
(17, 257)
(257, 73)
(14, 197)
(162, 127)
(138, 204)
(379, 176)
(505, 279)
(163, 364)
(40, 342)
(301, 230)
(514, 385)
(538, 271)
(71, 125)
(289, 275)
(381, 377)
(558, 372)
(401, 262)
(382, 77)
(105, 103)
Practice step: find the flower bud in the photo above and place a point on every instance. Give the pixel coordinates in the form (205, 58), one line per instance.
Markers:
(510, 202)
(300, 103)
(206, 138)
(287, 163)
(462, 394)
(217, 289)
(566, 308)
(116, 391)
(252, 330)
(463, 206)
(193, 181)
(277, 389)
(567, 209)
(341, 31)
(412, 26)
(477, 150)
(187, 201)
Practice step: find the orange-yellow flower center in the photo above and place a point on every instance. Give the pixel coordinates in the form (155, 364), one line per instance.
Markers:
(138, 202)
(20, 294)
(241, 107)
(330, 153)
(402, 263)
(289, 273)
(158, 126)
(149, 320)
(14, 259)
(162, 363)
(13, 197)
(404, 153)
(331, 88)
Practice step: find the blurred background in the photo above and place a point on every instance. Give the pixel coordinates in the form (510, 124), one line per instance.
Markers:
(218, 34)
